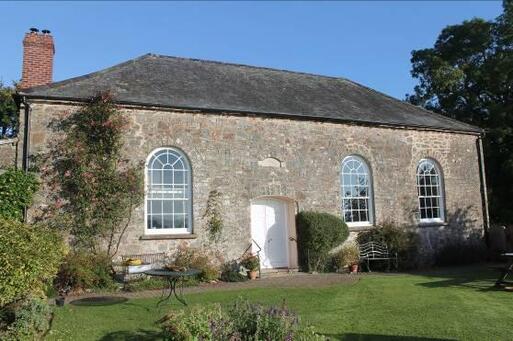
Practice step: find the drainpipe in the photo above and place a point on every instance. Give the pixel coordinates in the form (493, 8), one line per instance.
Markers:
(26, 144)
(484, 189)
(26, 134)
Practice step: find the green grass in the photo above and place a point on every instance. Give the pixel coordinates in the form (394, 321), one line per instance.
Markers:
(454, 303)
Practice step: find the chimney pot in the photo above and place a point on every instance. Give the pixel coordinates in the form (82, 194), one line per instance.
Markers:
(46, 31)
(33, 29)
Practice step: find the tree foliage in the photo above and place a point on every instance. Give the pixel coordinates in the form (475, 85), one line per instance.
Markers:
(8, 113)
(468, 75)
(92, 188)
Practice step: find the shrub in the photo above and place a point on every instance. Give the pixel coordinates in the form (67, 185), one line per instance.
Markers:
(25, 320)
(250, 262)
(257, 322)
(230, 272)
(348, 255)
(241, 321)
(317, 235)
(233, 276)
(197, 259)
(399, 239)
(17, 189)
(29, 257)
(461, 253)
(82, 270)
(199, 323)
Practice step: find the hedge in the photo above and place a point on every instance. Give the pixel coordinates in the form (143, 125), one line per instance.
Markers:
(16, 191)
(317, 234)
(30, 256)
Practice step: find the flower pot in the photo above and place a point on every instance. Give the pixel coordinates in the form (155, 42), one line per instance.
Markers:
(252, 274)
(59, 301)
(354, 268)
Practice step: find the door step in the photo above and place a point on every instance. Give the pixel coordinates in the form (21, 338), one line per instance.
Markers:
(280, 272)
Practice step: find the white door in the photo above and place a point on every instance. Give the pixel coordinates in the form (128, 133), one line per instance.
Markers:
(269, 231)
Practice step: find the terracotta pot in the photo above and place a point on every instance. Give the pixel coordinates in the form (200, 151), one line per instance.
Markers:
(252, 274)
(354, 268)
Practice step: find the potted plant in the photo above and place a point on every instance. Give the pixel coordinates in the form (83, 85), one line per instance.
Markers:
(62, 284)
(348, 257)
(251, 263)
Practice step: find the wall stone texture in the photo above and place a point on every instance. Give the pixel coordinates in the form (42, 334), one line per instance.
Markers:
(8, 152)
(246, 157)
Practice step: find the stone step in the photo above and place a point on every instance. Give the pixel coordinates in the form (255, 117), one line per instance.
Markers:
(280, 272)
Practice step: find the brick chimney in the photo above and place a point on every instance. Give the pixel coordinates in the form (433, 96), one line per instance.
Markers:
(38, 51)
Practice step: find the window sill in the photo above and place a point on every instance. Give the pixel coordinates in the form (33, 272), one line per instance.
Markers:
(433, 224)
(360, 228)
(168, 236)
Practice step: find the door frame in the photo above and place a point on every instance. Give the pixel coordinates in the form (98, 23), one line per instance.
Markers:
(290, 206)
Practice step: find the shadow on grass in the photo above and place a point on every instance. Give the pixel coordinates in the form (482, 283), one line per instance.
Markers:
(481, 277)
(99, 301)
(376, 337)
(139, 335)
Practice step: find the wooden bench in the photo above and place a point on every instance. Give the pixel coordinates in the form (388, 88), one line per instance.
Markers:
(375, 251)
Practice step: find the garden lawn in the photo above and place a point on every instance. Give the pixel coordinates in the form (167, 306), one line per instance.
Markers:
(453, 303)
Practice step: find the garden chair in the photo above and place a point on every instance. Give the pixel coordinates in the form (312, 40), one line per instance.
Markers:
(375, 251)
(149, 261)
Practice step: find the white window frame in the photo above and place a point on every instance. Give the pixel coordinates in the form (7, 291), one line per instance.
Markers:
(370, 192)
(188, 183)
(441, 193)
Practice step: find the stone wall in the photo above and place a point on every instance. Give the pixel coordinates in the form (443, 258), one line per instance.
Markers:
(246, 157)
(8, 152)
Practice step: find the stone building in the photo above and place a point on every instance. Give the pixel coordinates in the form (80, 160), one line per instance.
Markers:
(272, 142)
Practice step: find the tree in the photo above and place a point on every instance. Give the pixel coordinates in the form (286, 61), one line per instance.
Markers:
(468, 75)
(92, 188)
(8, 113)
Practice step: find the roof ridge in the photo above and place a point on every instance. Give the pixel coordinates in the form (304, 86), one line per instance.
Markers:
(244, 65)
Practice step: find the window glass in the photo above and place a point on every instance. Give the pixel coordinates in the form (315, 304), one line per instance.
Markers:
(356, 191)
(168, 195)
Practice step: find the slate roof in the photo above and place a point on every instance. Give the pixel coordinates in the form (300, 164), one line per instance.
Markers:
(215, 86)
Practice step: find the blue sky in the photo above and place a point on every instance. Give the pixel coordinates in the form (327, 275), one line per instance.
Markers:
(367, 42)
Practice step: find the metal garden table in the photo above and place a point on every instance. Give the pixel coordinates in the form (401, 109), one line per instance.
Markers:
(173, 278)
(508, 270)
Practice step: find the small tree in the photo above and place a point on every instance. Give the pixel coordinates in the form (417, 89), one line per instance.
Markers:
(8, 113)
(92, 188)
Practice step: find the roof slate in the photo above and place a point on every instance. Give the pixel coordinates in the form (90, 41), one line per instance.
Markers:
(206, 85)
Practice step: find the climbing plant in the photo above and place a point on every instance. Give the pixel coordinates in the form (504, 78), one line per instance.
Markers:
(214, 220)
(92, 188)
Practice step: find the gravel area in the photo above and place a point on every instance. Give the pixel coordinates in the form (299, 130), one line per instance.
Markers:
(291, 280)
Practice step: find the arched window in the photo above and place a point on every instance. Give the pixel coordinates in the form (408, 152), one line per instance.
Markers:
(168, 192)
(357, 201)
(430, 191)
